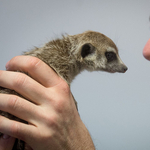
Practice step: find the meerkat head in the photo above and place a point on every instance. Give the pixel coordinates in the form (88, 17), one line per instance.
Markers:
(98, 52)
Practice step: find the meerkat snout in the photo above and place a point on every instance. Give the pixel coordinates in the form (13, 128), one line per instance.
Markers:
(124, 69)
(98, 52)
(114, 63)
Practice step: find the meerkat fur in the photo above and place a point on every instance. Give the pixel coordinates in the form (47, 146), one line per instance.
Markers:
(71, 55)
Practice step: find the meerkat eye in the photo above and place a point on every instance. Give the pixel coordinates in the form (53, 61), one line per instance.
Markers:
(87, 49)
(110, 56)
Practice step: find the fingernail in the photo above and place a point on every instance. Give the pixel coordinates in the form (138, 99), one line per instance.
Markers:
(7, 65)
(5, 136)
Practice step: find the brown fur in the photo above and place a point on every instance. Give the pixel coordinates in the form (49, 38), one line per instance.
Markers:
(71, 55)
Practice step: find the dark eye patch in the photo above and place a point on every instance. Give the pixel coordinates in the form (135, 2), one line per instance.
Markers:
(110, 56)
(87, 49)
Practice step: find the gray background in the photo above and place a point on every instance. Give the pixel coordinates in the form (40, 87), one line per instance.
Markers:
(114, 107)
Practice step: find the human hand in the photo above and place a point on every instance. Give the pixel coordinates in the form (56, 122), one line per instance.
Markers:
(146, 50)
(53, 120)
(6, 142)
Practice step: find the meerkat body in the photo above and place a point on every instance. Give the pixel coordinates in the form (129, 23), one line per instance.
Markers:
(70, 55)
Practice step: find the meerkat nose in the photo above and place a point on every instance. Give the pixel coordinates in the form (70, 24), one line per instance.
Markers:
(125, 69)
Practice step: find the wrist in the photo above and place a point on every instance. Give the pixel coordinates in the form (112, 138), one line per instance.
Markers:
(81, 139)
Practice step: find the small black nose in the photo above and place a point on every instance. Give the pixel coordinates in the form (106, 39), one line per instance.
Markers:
(125, 69)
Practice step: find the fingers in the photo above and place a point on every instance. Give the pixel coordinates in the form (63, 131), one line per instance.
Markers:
(6, 142)
(17, 129)
(146, 50)
(37, 69)
(19, 107)
(23, 84)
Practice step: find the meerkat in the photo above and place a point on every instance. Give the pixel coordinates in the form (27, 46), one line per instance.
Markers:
(71, 55)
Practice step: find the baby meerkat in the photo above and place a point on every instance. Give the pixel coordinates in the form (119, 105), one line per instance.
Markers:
(72, 54)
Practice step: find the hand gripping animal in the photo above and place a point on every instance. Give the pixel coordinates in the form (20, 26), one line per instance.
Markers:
(72, 54)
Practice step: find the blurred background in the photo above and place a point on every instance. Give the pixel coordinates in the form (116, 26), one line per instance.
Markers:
(114, 107)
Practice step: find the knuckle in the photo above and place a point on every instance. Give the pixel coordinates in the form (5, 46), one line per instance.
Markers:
(51, 120)
(19, 80)
(32, 62)
(61, 105)
(61, 101)
(13, 102)
(65, 87)
(15, 129)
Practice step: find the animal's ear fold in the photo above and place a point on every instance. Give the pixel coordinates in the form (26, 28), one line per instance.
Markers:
(87, 49)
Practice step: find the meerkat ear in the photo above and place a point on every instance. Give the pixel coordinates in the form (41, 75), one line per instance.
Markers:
(87, 49)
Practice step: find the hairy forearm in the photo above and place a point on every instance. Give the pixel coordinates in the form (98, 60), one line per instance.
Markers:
(81, 139)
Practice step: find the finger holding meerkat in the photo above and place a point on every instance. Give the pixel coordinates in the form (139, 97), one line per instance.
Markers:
(19, 107)
(36, 68)
(23, 84)
(16, 129)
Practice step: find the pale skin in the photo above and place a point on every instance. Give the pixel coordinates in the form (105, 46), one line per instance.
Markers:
(53, 120)
(146, 50)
